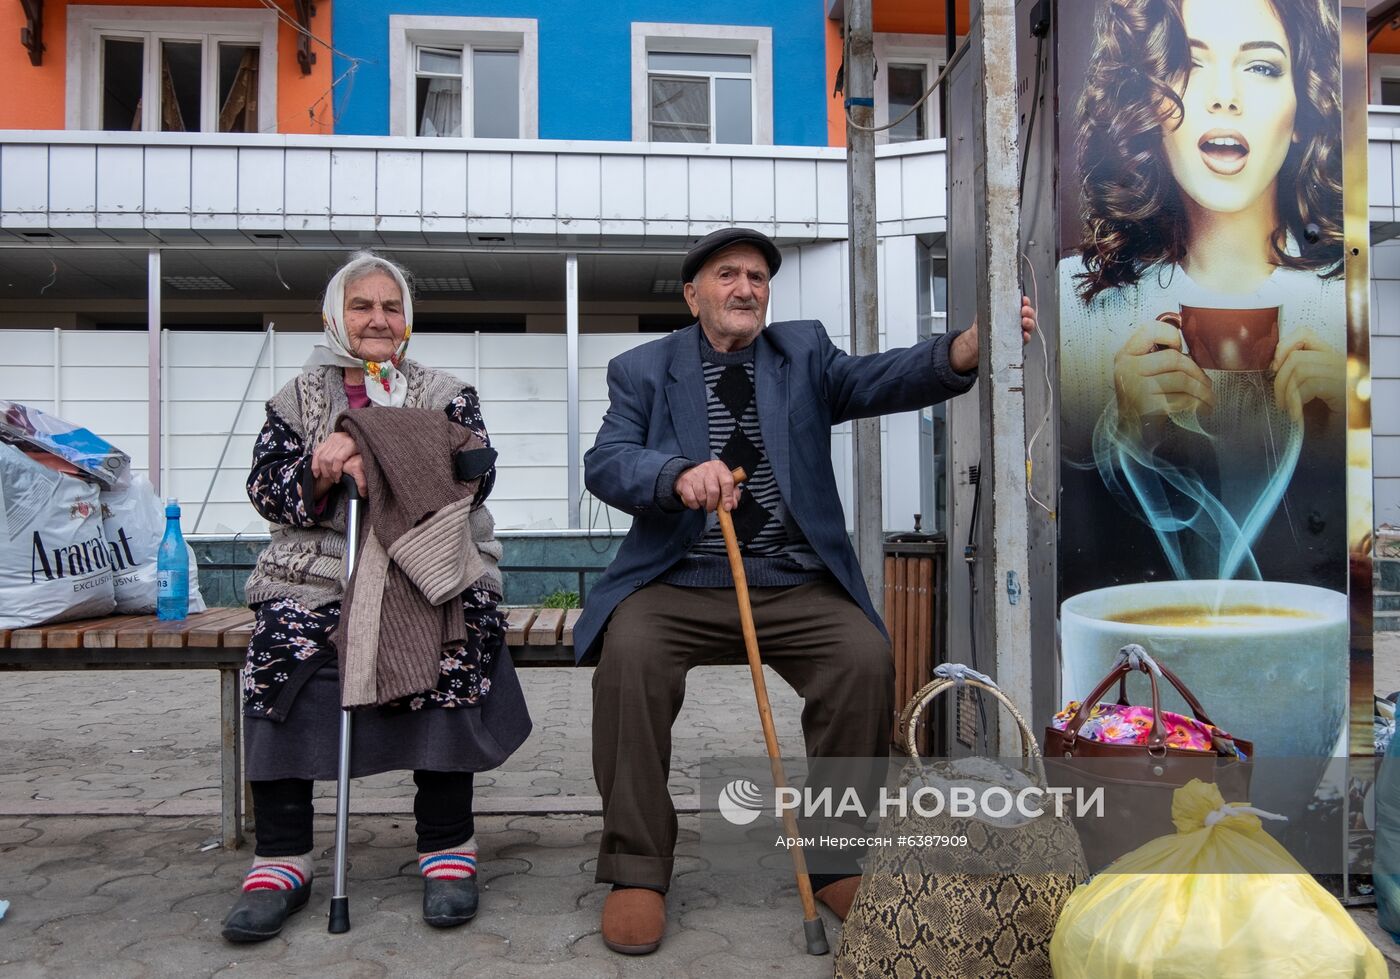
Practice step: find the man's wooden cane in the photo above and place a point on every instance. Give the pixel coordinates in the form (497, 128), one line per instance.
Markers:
(811, 924)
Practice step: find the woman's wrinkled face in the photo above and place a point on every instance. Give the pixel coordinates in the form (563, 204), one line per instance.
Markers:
(374, 317)
(1240, 104)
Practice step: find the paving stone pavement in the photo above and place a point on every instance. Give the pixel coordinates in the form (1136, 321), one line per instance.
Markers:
(130, 895)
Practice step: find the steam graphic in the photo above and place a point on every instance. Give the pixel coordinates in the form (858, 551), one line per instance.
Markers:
(1206, 527)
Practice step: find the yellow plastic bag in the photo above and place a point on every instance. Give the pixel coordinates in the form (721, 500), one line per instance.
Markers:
(1220, 898)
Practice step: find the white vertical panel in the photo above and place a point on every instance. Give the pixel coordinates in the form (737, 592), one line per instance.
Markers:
(72, 179)
(922, 181)
(795, 184)
(445, 185)
(352, 182)
(831, 192)
(488, 185)
(399, 183)
(24, 178)
(666, 188)
(623, 179)
(580, 188)
(167, 174)
(752, 191)
(119, 179)
(532, 186)
(307, 182)
(1382, 180)
(260, 176)
(214, 180)
(888, 194)
(710, 190)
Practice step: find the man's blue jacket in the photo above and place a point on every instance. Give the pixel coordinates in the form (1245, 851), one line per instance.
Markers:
(805, 384)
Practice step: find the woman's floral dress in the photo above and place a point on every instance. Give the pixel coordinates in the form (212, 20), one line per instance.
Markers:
(287, 634)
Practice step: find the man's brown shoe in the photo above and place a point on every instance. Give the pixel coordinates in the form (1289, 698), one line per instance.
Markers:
(838, 895)
(634, 919)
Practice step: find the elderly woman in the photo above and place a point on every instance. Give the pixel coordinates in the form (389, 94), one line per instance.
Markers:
(470, 721)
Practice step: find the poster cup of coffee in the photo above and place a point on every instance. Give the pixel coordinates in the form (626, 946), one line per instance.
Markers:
(1227, 339)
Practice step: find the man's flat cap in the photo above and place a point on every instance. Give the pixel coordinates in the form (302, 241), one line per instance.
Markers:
(696, 258)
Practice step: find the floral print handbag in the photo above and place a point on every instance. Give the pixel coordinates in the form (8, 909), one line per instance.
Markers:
(1138, 755)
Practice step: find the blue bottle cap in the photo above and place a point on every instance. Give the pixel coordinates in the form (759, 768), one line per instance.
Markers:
(172, 507)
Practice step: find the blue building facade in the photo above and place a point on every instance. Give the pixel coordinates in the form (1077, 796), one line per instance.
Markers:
(586, 61)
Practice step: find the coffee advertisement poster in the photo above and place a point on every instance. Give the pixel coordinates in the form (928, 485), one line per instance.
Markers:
(1204, 381)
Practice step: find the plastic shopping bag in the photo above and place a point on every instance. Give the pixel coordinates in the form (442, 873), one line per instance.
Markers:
(54, 562)
(30, 428)
(135, 522)
(1217, 898)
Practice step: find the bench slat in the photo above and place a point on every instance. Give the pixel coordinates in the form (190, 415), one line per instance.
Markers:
(60, 635)
(211, 632)
(241, 634)
(178, 634)
(570, 620)
(4, 638)
(518, 622)
(544, 631)
(105, 636)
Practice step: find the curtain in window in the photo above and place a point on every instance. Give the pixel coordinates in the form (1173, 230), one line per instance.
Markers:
(442, 108)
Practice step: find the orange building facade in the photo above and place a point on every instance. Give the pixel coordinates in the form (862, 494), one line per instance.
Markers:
(208, 58)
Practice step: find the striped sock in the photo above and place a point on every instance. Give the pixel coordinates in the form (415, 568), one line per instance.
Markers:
(278, 873)
(454, 864)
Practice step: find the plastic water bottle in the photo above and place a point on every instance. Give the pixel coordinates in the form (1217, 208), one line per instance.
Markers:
(172, 568)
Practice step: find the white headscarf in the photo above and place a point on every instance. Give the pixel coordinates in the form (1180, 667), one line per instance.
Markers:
(384, 382)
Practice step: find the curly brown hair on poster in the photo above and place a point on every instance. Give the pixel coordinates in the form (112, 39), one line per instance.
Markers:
(1136, 211)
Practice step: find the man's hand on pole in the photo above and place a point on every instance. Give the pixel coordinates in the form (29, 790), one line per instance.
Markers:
(962, 355)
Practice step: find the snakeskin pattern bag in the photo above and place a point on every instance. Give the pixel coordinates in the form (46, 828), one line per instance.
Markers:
(974, 895)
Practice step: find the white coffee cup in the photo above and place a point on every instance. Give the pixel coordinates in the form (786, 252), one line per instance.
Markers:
(1279, 680)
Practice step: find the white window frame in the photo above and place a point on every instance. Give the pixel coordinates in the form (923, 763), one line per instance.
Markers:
(756, 42)
(1382, 66)
(409, 32)
(88, 25)
(926, 50)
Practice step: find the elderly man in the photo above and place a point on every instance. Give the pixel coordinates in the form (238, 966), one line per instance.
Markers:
(683, 411)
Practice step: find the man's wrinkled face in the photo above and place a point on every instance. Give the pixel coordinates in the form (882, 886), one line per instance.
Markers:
(729, 296)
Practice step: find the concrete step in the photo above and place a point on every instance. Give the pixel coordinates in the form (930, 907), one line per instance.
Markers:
(1387, 601)
(1386, 623)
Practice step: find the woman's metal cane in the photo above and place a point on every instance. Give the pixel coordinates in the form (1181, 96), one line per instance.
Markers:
(811, 924)
(340, 902)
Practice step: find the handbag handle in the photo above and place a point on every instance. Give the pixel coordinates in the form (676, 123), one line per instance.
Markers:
(909, 717)
(1157, 736)
(1196, 709)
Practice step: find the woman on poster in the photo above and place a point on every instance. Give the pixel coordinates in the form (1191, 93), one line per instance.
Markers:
(1209, 141)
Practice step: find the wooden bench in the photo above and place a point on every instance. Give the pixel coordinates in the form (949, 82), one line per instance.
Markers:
(218, 640)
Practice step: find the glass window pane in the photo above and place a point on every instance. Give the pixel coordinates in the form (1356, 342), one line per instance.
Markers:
(496, 94)
(681, 100)
(181, 79)
(694, 61)
(439, 107)
(1390, 91)
(733, 110)
(123, 62)
(238, 88)
(906, 84)
(440, 61)
(679, 134)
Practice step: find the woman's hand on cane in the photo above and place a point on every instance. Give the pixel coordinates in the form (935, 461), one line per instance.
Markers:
(338, 455)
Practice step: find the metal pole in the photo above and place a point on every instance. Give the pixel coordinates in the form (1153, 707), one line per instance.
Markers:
(865, 322)
(153, 367)
(1005, 581)
(571, 362)
(950, 42)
